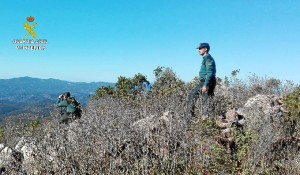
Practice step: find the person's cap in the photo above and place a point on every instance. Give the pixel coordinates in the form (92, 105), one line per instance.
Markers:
(204, 45)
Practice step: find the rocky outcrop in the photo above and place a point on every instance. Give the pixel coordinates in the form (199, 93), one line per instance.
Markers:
(151, 123)
(27, 147)
(9, 159)
(226, 124)
(259, 108)
(263, 114)
(270, 106)
(156, 129)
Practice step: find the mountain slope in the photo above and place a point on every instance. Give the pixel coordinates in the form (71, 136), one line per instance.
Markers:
(34, 95)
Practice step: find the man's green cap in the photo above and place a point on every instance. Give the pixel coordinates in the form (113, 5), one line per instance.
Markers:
(204, 45)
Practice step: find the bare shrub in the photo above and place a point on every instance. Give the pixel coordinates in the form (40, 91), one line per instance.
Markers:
(154, 133)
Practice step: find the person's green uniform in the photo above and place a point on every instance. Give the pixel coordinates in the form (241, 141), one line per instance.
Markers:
(207, 77)
(71, 108)
(68, 105)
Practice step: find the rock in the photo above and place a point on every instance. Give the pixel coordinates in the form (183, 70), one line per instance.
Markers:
(268, 106)
(226, 132)
(223, 124)
(262, 114)
(231, 116)
(155, 129)
(241, 122)
(9, 158)
(27, 147)
(151, 123)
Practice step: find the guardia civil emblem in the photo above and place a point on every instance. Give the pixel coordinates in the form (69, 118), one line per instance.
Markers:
(30, 28)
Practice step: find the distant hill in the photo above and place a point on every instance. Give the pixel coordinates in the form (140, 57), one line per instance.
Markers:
(34, 95)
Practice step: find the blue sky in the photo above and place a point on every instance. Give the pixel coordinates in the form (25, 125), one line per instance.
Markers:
(100, 40)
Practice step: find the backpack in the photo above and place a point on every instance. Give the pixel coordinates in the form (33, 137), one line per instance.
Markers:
(69, 105)
(73, 106)
(72, 101)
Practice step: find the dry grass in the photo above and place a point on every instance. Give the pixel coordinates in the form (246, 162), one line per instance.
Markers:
(153, 133)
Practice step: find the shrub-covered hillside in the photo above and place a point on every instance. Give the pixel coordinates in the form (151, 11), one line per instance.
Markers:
(249, 127)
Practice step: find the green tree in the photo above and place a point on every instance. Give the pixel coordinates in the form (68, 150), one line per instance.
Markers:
(104, 90)
(158, 71)
(292, 104)
(166, 81)
(138, 79)
(125, 86)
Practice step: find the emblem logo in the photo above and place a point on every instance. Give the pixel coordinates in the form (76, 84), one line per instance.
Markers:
(30, 29)
(30, 43)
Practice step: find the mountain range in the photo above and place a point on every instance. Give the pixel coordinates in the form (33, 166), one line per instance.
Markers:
(37, 96)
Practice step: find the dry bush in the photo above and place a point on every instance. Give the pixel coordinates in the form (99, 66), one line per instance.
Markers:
(154, 133)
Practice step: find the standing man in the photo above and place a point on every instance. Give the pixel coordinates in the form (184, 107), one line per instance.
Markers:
(207, 75)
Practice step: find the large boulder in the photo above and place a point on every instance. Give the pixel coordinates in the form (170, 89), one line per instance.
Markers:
(10, 159)
(262, 109)
(263, 115)
(156, 130)
(27, 147)
(152, 123)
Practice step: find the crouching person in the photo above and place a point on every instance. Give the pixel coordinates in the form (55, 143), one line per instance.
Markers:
(70, 108)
